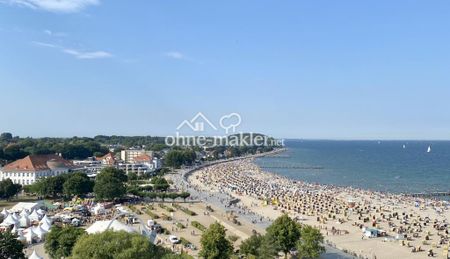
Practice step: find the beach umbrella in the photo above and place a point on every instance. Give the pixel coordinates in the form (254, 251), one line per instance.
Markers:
(34, 255)
(46, 219)
(24, 221)
(34, 216)
(30, 235)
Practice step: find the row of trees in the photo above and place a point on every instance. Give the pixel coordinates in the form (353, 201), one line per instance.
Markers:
(176, 158)
(14, 147)
(67, 185)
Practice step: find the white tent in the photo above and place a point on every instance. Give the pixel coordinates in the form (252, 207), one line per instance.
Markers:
(41, 212)
(20, 206)
(34, 255)
(46, 219)
(34, 216)
(40, 232)
(10, 220)
(101, 226)
(24, 212)
(5, 213)
(21, 237)
(30, 235)
(15, 216)
(99, 209)
(24, 221)
(46, 226)
(14, 229)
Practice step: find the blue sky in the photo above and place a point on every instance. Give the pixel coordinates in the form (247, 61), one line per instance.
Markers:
(294, 69)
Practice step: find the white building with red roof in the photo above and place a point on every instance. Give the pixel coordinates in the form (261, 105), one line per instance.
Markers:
(28, 170)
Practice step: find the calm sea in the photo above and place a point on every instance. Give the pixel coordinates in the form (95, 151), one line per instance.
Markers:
(394, 166)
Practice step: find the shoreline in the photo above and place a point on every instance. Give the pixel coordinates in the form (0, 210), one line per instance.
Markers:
(382, 201)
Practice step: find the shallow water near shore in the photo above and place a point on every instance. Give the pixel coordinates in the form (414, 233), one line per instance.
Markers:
(392, 166)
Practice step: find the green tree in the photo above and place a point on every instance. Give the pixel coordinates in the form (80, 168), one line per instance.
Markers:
(117, 245)
(251, 245)
(215, 244)
(110, 184)
(9, 189)
(311, 243)
(60, 241)
(285, 232)
(268, 249)
(184, 195)
(160, 183)
(10, 247)
(77, 184)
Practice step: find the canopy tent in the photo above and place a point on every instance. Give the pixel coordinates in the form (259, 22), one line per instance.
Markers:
(41, 212)
(34, 216)
(21, 237)
(5, 213)
(40, 232)
(46, 219)
(46, 226)
(99, 209)
(30, 235)
(14, 229)
(101, 226)
(9, 220)
(24, 221)
(34, 255)
(26, 206)
(24, 213)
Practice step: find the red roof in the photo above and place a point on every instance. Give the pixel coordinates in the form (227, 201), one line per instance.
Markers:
(37, 163)
(108, 159)
(143, 158)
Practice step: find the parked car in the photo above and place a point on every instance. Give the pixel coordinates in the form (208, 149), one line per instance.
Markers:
(174, 240)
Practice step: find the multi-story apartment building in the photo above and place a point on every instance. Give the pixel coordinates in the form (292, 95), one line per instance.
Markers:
(128, 155)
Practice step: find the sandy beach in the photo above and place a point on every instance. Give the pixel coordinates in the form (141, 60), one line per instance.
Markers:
(406, 227)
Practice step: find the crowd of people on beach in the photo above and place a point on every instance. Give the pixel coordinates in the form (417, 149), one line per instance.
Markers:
(413, 222)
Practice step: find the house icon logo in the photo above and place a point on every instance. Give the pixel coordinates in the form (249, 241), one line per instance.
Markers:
(197, 123)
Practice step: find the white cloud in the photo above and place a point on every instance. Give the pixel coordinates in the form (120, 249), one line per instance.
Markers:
(87, 55)
(58, 6)
(55, 34)
(79, 54)
(175, 55)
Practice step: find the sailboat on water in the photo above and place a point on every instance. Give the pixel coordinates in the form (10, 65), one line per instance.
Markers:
(429, 149)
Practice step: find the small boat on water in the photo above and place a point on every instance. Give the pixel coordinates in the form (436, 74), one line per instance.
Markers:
(429, 149)
(404, 146)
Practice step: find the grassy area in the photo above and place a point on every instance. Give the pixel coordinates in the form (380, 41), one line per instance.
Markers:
(185, 210)
(181, 226)
(151, 214)
(198, 225)
(167, 208)
(165, 217)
